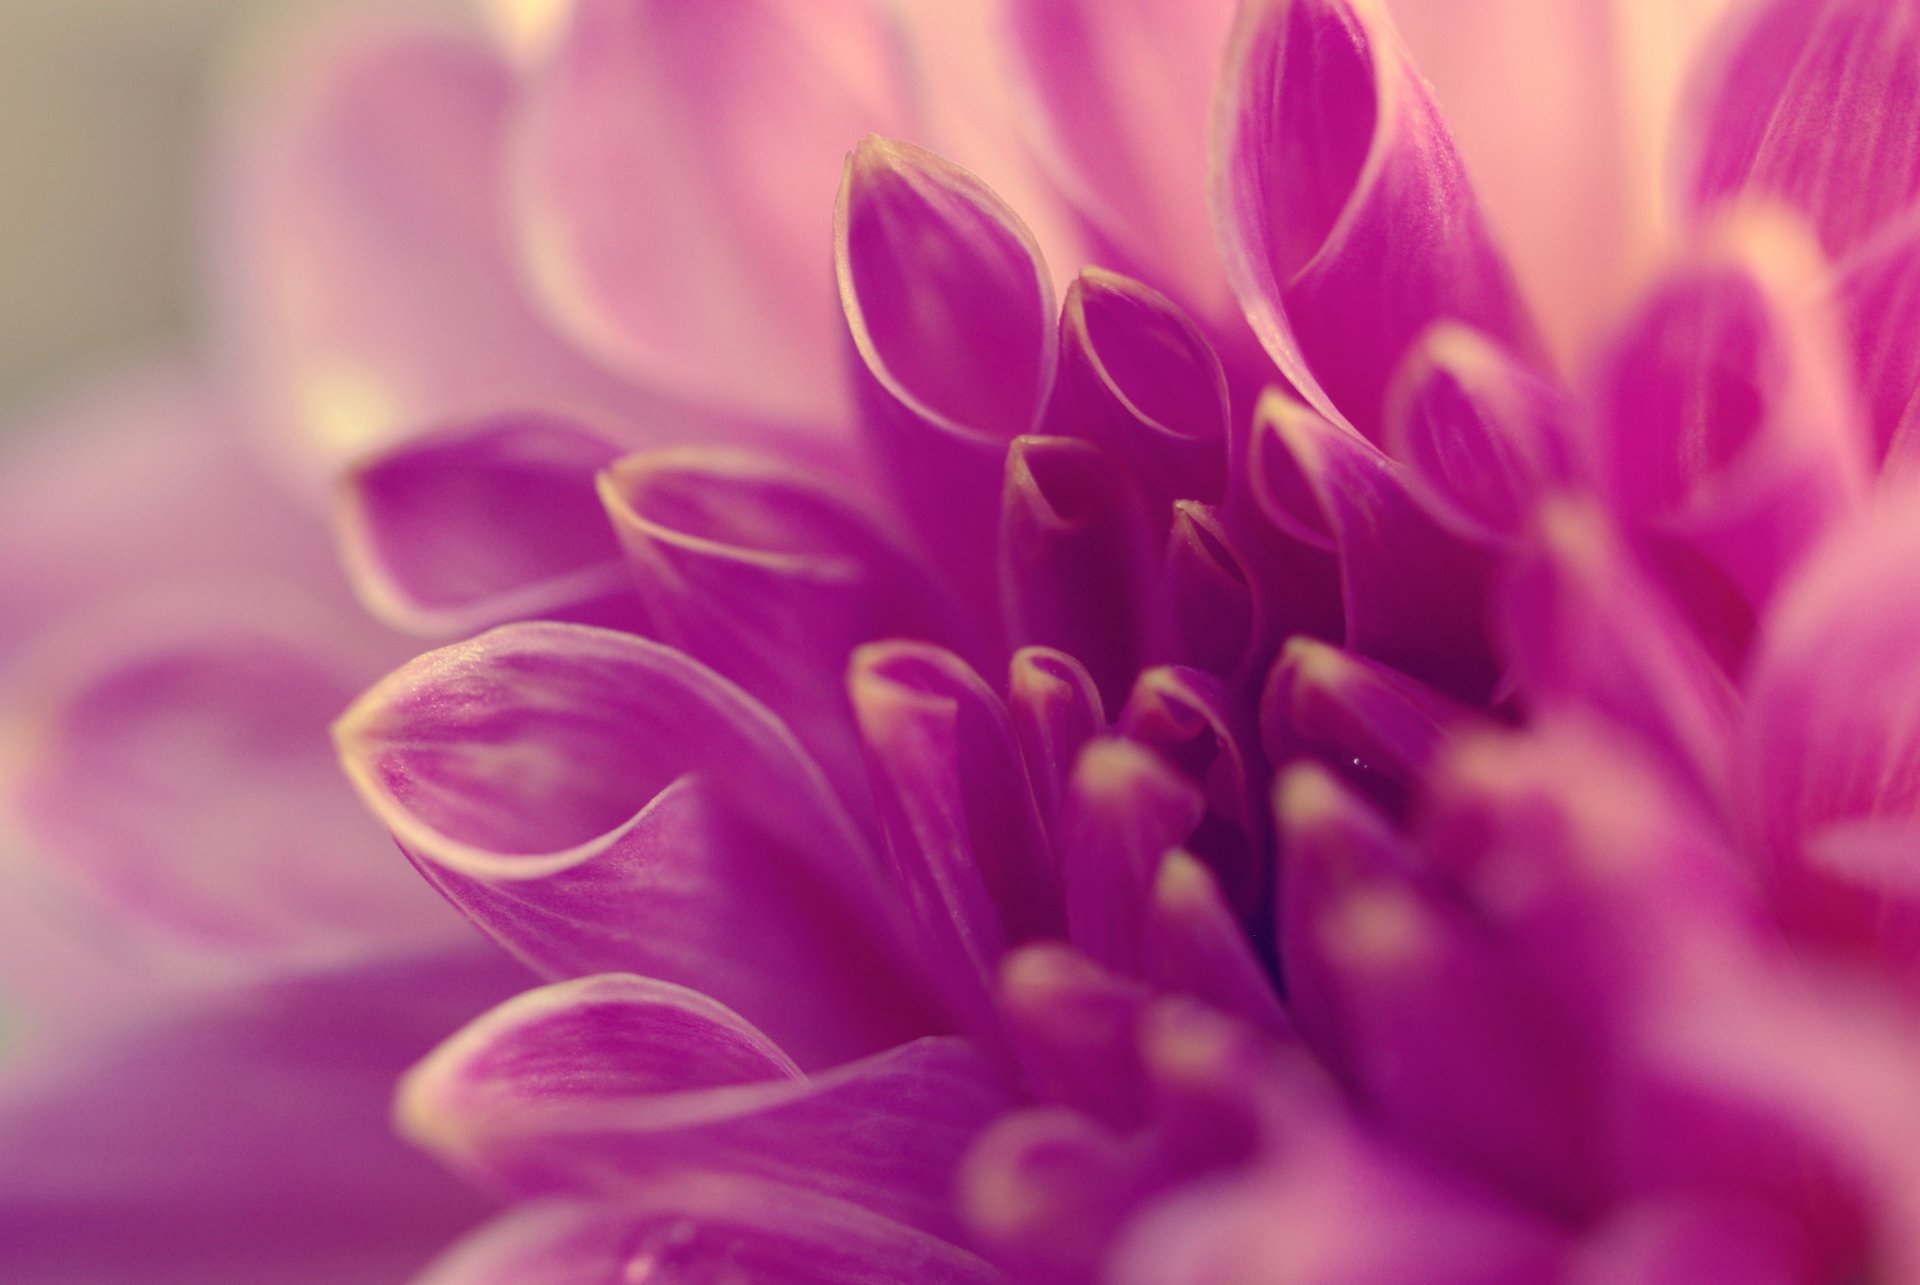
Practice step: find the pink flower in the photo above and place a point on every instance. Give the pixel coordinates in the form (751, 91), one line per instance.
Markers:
(1209, 725)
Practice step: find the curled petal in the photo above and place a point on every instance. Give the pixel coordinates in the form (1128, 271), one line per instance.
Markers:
(703, 1227)
(1376, 1215)
(1123, 92)
(1056, 709)
(757, 570)
(1139, 379)
(1183, 715)
(709, 851)
(673, 168)
(1047, 1191)
(131, 736)
(1828, 768)
(1125, 810)
(367, 287)
(1727, 418)
(1589, 629)
(1345, 215)
(1482, 437)
(1230, 590)
(1076, 554)
(1196, 945)
(1443, 1039)
(1366, 721)
(964, 827)
(1813, 105)
(1074, 1027)
(606, 1083)
(951, 316)
(484, 523)
(1414, 596)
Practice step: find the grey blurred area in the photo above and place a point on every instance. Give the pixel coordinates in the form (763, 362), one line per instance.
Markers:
(103, 106)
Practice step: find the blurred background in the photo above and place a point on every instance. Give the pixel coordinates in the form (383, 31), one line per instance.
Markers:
(102, 110)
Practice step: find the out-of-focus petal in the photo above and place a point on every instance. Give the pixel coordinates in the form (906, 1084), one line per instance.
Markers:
(1125, 809)
(1047, 1191)
(1687, 1239)
(1813, 103)
(1828, 752)
(608, 1083)
(1726, 414)
(1077, 558)
(1483, 438)
(674, 169)
(1074, 1027)
(704, 1228)
(951, 317)
(709, 851)
(1563, 111)
(1345, 215)
(1413, 595)
(1139, 379)
(1122, 92)
(239, 1137)
(1197, 946)
(366, 285)
(1056, 709)
(128, 732)
(1878, 292)
(1588, 628)
(452, 532)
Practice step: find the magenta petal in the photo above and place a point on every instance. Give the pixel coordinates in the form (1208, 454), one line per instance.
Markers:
(1367, 721)
(1482, 437)
(1816, 105)
(1047, 1190)
(1197, 946)
(1825, 756)
(1123, 92)
(1074, 1027)
(704, 1228)
(1588, 629)
(1414, 595)
(1076, 558)
(1726, 412)
(951, 317)
(606, 1084)
(484, 523)
(1678, 1241)
(1125, 809)
(140, 725)
(1879, 297)
(367, 288)
(674, 174)
(1056, 709)
(964, 827)
(750, 566)
(1346, 218)
(1138, 379)
(710, 852)
(1335, 1209)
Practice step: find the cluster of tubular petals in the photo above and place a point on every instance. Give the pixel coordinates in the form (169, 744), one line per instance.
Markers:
(1240, 769)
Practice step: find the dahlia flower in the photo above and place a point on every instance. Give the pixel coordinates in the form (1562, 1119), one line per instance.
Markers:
(1226, 664)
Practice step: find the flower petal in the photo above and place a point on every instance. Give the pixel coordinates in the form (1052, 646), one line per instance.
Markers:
(1414, 596)
(709, 851)
(483, 523)
(1482, 437)
(1813, 105)
(1074, 1027)
(951, 315)
(1139, 379)
(1123, 92)
(367, 288)
(674, 167)
(700, 1228)
(1878, 291)
(1076, 558)
(1056, 709)
(1345, 215)
(1196, 945)
(607, 1084)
